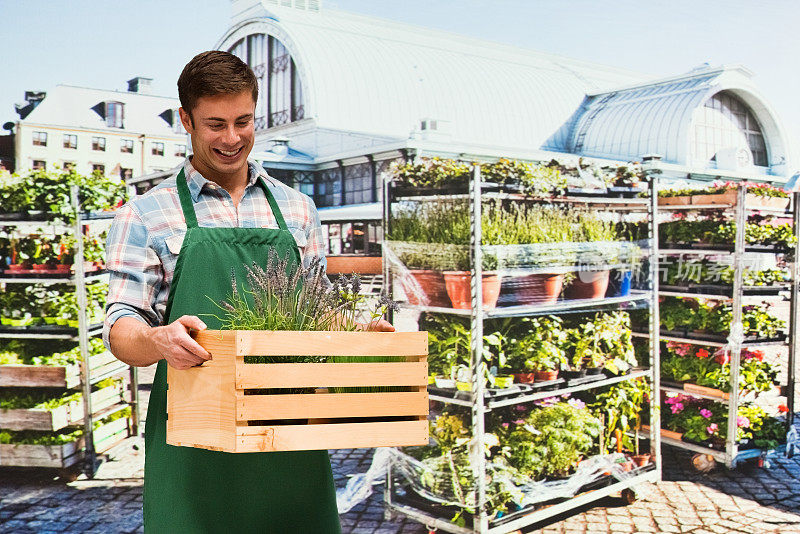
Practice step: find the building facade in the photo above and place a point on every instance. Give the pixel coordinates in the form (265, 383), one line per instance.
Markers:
(119, 133)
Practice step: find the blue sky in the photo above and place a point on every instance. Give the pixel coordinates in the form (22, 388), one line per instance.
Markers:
(104, 43)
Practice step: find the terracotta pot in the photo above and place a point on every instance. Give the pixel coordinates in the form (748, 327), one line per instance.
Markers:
(641, 460)
(40, 267)
(433, 289)
(541, 289)
(546, 376)
(16, 267)
(458, 288)
(626, 466)
(588, 285)
(524, 378)
(63, 268)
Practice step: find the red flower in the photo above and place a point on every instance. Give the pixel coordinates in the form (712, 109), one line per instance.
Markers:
(783, 408)
(702, 353)
(722, 358)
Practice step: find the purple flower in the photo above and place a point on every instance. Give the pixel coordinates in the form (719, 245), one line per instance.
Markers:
(706, 413)
(712, 428)
(676, 408)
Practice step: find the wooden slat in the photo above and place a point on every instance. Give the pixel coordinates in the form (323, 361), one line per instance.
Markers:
(33, 376)
(331, 436)
(39, 455)
(702, 390)
(217, 341)
(292, 375)
(58, 418)
(331, 405)
(201, 401)
(267, 343)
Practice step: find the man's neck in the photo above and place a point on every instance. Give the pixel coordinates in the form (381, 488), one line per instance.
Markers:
(234, 184)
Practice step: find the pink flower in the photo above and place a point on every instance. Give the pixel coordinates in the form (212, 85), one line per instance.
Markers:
(712, 428)
(677, 407)
(520, 408)
(742, 421)
(504, 425)
(577, 403)
(519, 422)
(706, 413)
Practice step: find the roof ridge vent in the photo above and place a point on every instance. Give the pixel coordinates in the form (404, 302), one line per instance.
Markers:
(304, 5)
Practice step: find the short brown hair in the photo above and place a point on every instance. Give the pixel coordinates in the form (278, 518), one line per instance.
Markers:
(212, 73)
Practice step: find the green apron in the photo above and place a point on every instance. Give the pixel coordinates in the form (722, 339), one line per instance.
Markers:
(188, 490)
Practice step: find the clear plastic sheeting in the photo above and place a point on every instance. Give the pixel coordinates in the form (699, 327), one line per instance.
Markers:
(359, 487)
(447, 479)
(437, 274)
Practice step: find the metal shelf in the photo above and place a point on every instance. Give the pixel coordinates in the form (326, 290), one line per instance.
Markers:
(720, 252)
(523, 311)
(723, 207)
(44, 280)
(465, 398)
(33, 332)
(715, 343)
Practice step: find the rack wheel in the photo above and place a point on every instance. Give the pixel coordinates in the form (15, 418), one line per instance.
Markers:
(629, 496)
(703, 462)
(69, 474)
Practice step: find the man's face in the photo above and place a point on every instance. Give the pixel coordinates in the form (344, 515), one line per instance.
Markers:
(222, 132)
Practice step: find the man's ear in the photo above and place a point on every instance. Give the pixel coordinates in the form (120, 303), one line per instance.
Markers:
(186, 120)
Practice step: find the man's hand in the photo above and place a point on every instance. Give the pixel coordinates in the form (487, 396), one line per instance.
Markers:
(175, 345)
(381, 325)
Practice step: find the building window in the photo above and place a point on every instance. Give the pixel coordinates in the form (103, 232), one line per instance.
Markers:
(70, 141)
(727, 125)
(304, 182)
(358, 184)
(157, 149)
(180, 151)
(115, 113)
(329, 188)
(97, 167)
(126, 146)
(99, 143)
(39, 138)
(125, 174)
(39, 164)
(280, 94)
(69, 165)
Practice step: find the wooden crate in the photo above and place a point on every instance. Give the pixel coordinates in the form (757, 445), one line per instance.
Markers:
(56, 376)
(58, 418)
(207, 406)
(64, 455)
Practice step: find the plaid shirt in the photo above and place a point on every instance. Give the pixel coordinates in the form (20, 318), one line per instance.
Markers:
(146, 236)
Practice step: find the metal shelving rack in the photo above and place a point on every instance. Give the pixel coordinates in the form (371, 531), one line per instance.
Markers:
(735, 341)
(480, 404)
(84, 332)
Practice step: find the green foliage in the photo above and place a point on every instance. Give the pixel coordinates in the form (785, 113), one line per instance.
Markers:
(49, 192)
(760, 230)
(620, 406)
(692, 315)
(604, 341)
(552, 441)
(683, 362)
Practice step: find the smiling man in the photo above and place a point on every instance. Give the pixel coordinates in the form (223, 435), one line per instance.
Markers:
(170, 254)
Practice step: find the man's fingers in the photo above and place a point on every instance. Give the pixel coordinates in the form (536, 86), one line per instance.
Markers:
(192, 322)
(183, 359)
(194, 348)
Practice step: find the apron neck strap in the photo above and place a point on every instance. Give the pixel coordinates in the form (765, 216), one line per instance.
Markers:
(188, 206)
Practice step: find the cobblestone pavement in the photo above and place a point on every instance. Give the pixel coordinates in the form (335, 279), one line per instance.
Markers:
(747, 500)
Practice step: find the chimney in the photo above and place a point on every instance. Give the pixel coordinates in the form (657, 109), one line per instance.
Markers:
(139, 85)
(32, 99)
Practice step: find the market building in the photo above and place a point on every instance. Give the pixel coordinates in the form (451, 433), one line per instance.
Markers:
(344, 95)
(120, 133)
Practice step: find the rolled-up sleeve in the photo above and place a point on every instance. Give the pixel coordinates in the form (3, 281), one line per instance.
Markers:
(135, 271)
